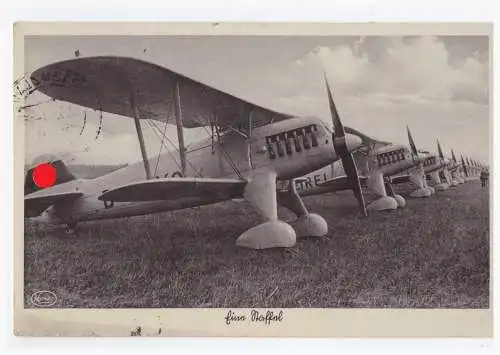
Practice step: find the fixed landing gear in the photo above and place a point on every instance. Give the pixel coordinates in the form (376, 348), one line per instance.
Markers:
(261, 193)
(400, 200)
(310, 225)
(271, 234)
(306, 224)
(441, 187)
(388, 199)
(422, 192)
(383, 203)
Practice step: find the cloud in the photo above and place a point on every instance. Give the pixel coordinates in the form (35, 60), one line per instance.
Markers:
(380, 85)
(412, 81)
(418, 68)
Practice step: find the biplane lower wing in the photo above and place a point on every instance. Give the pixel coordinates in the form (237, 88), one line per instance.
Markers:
(400, 179)
(340, 183)
(37, 202)
(176, 188)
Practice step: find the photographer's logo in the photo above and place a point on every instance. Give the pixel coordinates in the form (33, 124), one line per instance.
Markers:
(43, 298)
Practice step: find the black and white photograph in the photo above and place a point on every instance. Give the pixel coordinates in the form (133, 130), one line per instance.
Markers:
(256, 172)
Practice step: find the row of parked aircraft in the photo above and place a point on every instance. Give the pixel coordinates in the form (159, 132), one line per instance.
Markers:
(262, 156)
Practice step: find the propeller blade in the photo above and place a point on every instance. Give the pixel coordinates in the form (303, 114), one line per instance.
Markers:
(464, 165)
(441, 155)
(339, 144)
(414, 152)
(412, 143)
(338, 127)
(352, 174)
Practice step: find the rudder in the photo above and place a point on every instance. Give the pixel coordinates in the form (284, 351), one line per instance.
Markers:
(62, 175)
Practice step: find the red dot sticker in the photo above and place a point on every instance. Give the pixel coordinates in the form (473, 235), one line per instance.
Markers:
(44, 175)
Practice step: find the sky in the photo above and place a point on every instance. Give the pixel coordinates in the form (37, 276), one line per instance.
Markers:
(438, 86)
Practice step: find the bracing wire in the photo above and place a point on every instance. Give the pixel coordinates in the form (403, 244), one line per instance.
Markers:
(84, 122)
(162, 137)
(156, 129)
(100, 124)
(228, 158)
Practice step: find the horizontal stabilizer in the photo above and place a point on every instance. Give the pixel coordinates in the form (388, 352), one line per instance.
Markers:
(176, 188)
(37, 202)
(367, 141)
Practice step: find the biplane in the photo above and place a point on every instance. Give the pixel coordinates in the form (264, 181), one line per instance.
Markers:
(456, 172)
(380, 165)
(250, 149)
(431, 167)
(470, 169)
(455, 169)
(440, 176)
(474, 168)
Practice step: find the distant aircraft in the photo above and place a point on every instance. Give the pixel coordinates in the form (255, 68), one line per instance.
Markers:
(439, 175)
(425, 163)
(463, 170)
(380, 165)
(250, 150)
(456, 171)
(473, 169)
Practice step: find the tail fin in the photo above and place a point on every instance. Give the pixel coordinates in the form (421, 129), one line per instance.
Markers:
(62, 175)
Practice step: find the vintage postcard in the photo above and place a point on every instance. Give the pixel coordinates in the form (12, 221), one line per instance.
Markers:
(253, 179)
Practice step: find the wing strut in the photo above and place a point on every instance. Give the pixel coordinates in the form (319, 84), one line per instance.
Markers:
(140, 136)
(178, 122)
(249, 144)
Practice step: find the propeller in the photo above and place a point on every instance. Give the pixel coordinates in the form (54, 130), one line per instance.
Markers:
(464, 165)
(441, 156)
(454, 159)
(414, 152)
(440, 151)
(339, 144)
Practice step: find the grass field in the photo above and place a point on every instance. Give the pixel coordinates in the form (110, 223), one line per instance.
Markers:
(433, 253)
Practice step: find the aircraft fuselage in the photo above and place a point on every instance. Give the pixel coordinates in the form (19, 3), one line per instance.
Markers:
(387, 161)
(289, 148)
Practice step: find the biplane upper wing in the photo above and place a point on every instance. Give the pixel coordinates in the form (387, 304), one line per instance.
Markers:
(135, 88)
(39, 201)
(175, 188)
